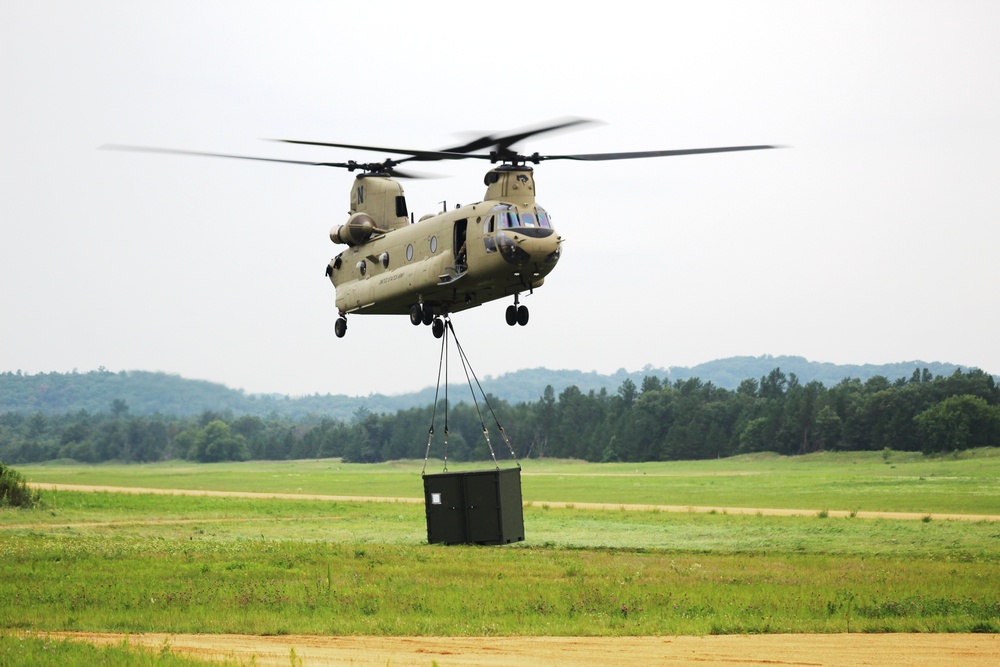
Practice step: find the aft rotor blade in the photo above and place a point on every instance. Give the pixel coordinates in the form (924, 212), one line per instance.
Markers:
(387, 167)
(594, 157)
(414, 154)
(173, 151)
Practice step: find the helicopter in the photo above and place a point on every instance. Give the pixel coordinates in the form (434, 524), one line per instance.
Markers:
(500, 247)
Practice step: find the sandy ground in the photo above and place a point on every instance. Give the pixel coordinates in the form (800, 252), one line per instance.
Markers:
(842, 650)
(831, 650)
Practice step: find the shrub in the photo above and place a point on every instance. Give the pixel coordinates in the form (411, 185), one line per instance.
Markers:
(14, 491)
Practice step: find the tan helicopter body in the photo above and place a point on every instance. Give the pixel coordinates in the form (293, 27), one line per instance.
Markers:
(448, 262)
(457, 259)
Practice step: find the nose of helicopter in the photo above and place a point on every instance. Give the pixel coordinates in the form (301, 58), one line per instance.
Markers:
(537, 246)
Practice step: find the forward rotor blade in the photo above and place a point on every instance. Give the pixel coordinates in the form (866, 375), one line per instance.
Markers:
(504, 142)
(594, 157)
(501, 143)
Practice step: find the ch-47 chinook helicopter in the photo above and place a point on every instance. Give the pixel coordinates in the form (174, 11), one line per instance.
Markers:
(454, 260)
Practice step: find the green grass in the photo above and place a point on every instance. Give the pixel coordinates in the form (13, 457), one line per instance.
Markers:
(187, 518)
(287, 587)
(145, 563)
(968, 483)
(32, 650)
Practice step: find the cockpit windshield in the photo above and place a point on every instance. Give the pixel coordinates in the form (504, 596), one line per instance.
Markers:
(504, 216)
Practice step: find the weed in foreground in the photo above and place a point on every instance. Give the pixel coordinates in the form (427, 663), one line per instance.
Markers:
(33, 650)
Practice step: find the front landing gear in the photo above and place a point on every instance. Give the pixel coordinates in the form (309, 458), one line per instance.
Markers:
(340, 327)
(517, 314)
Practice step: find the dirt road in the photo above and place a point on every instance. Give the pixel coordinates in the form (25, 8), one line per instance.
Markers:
(842, 650)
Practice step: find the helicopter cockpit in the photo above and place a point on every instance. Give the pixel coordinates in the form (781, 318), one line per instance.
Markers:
(505, 223)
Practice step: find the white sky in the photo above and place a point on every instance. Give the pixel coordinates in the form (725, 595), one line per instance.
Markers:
(872, 239)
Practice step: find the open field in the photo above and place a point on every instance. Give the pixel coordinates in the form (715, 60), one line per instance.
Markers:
(298, 566)
(849, 481)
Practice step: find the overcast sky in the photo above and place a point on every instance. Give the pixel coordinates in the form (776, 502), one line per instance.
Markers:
(872, 238)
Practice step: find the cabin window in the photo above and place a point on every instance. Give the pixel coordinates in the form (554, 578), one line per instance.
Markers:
(363, 267)
(409, 253)
(434, 244)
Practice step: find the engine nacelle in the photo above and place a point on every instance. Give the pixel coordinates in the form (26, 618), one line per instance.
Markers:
(359, 228)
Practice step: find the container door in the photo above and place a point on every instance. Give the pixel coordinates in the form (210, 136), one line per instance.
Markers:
(445, 509)
(482, 507)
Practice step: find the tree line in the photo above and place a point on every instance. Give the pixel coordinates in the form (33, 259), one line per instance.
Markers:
(653, 421)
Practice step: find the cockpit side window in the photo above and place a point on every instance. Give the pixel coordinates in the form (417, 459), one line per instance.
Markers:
(490, 225)
(543, 217)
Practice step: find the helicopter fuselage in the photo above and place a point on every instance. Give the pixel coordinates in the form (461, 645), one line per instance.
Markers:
(451, 261)
(454, 260)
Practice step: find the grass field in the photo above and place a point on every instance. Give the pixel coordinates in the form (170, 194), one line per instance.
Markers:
(872, 481)
(144, 563)
(25, 650)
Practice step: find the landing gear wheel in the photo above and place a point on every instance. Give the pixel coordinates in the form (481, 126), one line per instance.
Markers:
(340, 327)
(416, 314)
(437, 328)
(428, 313)
(511, 315)
(522, 315)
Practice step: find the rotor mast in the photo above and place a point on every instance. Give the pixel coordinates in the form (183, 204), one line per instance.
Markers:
(511, 183)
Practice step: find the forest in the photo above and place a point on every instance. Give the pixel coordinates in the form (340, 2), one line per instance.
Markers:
(653, 421)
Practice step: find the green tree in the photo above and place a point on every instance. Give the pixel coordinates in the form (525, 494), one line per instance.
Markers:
(651, 383)
(757, 436)
(958, 422)
(14, 490)
(826, 431)
(628, 392)
(216, 442)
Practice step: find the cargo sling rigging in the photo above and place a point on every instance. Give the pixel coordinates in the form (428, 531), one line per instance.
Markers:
(470, 375)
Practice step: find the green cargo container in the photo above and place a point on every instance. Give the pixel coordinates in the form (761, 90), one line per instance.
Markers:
(474, 507)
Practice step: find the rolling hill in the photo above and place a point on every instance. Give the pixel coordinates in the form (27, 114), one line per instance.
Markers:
(147, 392)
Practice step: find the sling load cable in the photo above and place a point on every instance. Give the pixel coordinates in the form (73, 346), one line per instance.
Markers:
(442, 363)
(467, 367)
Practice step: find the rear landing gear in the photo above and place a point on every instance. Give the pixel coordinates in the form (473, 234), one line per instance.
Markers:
(340, 327)
(423, 313)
